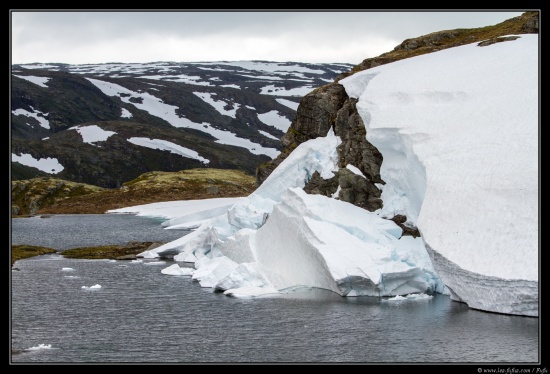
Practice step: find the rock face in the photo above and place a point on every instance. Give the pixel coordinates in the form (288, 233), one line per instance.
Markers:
(322, 109)
(316, 114)
(357, 151)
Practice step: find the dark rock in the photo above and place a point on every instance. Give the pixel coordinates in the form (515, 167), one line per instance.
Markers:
(316, 114)
(497, 40)
(358, 190)
(400, 220)
(320, 186)
(433, 39)
(214, 190)
(355, 149)
(322, 109)
(530, 23)
(314, 117)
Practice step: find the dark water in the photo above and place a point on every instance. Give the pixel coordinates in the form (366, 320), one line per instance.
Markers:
(142, 316)
(81, 230)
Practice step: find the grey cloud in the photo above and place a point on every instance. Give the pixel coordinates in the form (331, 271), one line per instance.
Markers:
(59, 33)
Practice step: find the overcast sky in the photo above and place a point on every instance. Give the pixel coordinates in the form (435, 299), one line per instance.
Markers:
(79, 37)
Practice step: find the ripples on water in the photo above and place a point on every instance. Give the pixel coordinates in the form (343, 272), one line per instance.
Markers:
(141, 315)
(64, 231)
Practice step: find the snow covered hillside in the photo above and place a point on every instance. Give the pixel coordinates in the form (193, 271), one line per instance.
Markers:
(458, 131)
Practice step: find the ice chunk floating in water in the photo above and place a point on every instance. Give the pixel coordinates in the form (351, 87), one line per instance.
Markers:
(94, 287)
(40, 346)
(175, 269)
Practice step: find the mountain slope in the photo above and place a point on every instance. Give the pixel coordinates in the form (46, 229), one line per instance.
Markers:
(107, 124)
(49, 195)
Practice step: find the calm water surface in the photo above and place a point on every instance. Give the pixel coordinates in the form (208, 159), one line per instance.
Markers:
(142, 316)
(66, 231)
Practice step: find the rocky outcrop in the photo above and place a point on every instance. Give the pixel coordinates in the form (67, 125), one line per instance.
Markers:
(357, 151)
(400, 221)
(315, 116)
(29, 196)
(329, 107)
(485, 43)
(530, 23)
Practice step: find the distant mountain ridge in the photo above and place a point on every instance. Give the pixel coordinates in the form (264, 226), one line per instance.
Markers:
(105, 124)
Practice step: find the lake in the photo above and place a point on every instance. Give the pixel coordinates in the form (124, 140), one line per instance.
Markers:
(140, 315)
